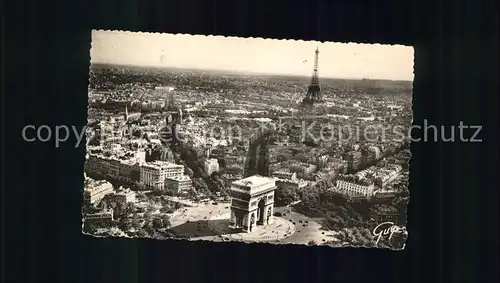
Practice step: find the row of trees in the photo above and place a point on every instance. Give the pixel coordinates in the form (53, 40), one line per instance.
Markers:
(339, 213)
(356, 236)
(203, 183)
(286, 195)
(218, 184)
(146, 226)
(183, 153)
(363, 237)
(148, 222)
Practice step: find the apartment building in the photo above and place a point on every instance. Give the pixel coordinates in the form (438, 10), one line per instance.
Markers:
(351, 186)
(96, 191)
(290, 184)
(385, 176)
(284, 175)
(124, 196)
(153, 174)
(354, 159)
(178, 184)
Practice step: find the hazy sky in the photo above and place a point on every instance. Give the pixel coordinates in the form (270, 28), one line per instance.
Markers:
(336, 60)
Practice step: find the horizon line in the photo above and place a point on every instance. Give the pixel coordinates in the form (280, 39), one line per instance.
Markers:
(243, 72)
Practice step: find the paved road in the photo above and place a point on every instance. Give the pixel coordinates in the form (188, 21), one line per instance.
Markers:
(181, 201)
(306, 228)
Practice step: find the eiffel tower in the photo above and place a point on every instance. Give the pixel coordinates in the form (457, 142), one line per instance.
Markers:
(313, 95)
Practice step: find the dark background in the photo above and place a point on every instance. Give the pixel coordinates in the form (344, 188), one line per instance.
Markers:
(452, 213)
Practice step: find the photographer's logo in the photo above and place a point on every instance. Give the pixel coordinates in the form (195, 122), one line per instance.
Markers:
(386, 229)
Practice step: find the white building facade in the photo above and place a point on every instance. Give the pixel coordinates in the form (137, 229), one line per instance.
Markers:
(97, 191)
(355, 188)
(178, 184)
(211, 165)
(153, 174)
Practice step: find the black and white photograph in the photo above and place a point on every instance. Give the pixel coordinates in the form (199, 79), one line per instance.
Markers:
(249, 140)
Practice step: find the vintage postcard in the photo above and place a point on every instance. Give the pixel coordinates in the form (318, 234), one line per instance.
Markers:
(247, 139)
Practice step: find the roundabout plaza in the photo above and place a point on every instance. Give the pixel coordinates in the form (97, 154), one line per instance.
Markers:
(249, 217)
(212, 222)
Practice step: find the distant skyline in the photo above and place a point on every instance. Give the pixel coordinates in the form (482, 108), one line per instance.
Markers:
(253, 55)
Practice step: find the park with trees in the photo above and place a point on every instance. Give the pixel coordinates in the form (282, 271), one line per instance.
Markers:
(353, 220)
